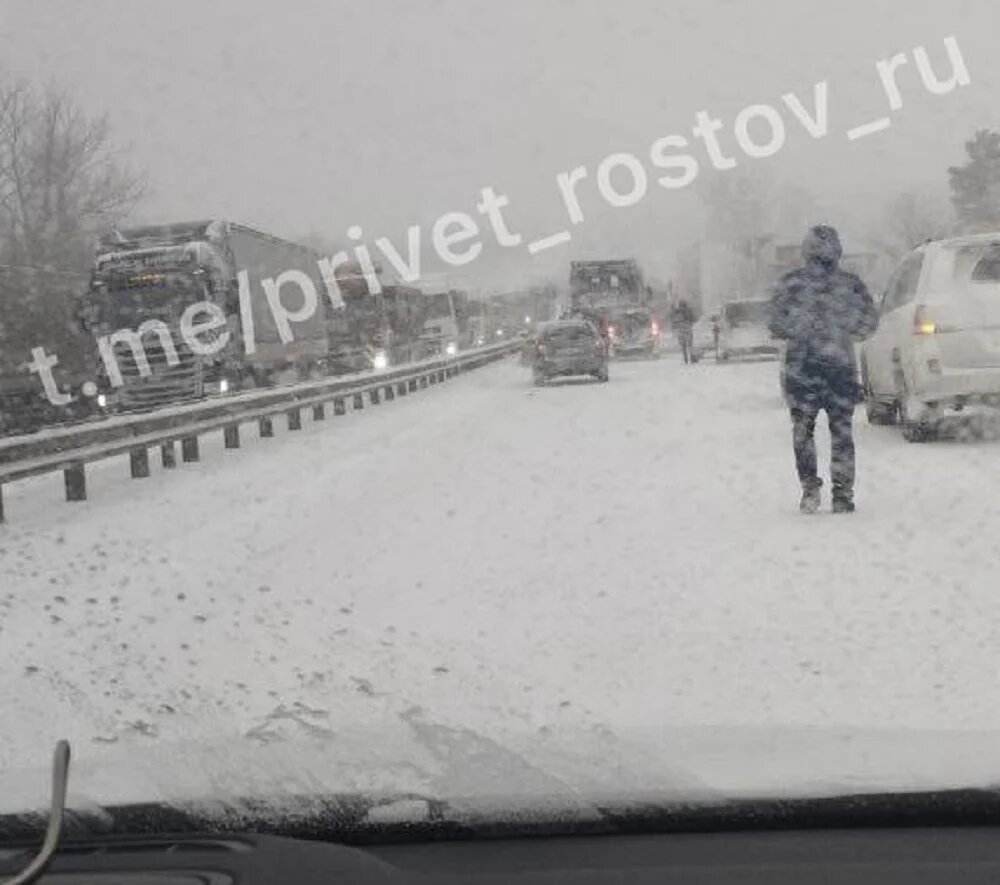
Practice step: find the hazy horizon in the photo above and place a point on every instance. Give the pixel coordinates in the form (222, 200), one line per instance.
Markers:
(309, 119)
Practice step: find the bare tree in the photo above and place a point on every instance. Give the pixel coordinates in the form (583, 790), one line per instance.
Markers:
(60, 179)
(909, 219)
(61, 183)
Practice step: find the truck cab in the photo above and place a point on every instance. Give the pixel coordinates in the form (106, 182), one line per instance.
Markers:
(446, 324)
(139, 288)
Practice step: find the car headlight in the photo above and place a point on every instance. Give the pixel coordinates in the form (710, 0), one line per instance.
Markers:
(380, 360)
(102, 401)
(451, 349)
(224, 385)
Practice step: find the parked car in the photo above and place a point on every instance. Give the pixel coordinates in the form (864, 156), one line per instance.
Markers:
(743, 330)
(937, 348)
(569, 347)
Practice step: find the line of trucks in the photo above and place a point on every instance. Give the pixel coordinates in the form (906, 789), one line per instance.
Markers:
(285, 311)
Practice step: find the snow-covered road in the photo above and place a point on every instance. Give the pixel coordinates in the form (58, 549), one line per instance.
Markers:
(577, 557)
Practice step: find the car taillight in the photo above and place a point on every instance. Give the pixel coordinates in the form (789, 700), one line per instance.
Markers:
(924, 323)
(656, 328)
(612, 331)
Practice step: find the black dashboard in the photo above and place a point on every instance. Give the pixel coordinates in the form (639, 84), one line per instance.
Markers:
(915, 839)
(885, 857)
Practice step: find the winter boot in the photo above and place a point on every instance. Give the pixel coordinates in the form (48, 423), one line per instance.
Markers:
(843, 503)
(810, 499)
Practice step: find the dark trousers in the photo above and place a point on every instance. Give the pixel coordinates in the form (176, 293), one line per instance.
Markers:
(840, 417)
(686, 341)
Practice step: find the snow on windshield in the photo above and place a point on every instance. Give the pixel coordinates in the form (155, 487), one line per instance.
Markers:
(335, 516)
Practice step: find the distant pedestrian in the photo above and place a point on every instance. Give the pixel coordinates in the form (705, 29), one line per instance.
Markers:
(682, 321)
(821, 311)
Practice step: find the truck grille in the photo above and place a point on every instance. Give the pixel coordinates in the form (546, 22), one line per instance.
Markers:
(164, 385)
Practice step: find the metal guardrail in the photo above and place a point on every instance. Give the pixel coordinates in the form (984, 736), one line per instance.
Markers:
(70, 449)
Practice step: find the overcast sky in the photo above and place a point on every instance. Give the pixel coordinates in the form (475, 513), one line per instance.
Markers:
(312, 116)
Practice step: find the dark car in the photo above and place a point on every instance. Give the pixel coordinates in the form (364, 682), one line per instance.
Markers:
(569, 347)
(635, 332)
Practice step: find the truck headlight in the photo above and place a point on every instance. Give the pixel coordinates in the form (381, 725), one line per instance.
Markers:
(102, 401)
(224, 385)
(380, 360)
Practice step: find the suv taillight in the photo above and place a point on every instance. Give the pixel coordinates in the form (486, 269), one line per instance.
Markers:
(924, 323)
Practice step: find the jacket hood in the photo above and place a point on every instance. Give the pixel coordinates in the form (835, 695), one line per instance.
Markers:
(822, 246)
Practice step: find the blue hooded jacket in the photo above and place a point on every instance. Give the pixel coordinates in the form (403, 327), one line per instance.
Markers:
(821, 312)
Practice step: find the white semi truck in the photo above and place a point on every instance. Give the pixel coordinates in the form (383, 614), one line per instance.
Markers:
(145, 279)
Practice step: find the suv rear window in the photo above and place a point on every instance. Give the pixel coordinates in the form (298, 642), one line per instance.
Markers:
(987, 269)
(569, 333)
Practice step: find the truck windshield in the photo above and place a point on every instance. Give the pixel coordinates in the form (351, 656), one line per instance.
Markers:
(438, 306)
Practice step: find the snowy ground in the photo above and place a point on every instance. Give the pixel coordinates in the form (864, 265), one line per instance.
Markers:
(491, 561)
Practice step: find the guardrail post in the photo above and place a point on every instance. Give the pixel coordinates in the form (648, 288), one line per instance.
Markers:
(189, 449)
(442, 374)
(412, 385)
(266, 426)
(168, 455)
(402, 388)
(390, 393)
(359, 401)
(294, 419)
(231, 436)
(319, 412)
(339, 406)
(374, 397)
(1, 502)
(76, 483)
(433, 378)
(139, 462)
